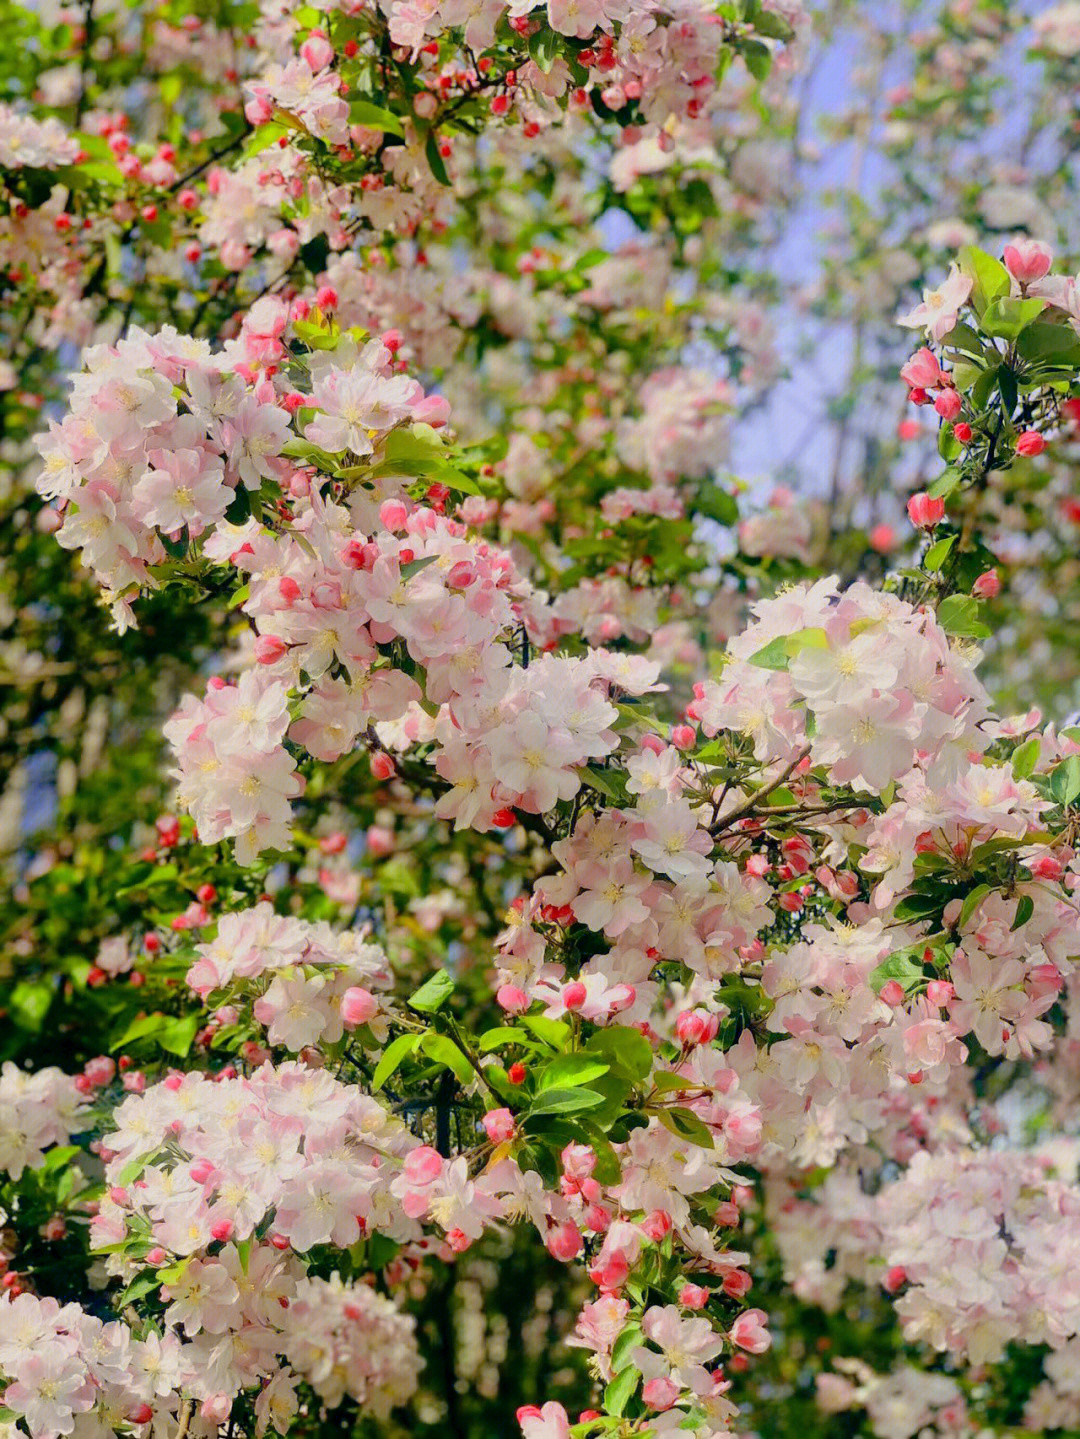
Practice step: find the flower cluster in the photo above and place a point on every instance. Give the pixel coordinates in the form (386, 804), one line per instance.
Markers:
(320, 982)
(231, 1324)
(37, 1111)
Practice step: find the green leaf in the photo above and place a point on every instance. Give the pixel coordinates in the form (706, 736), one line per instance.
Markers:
(1006, 317)
(773, 656)
(944, 485)
(58, 1157)
(392, 1056)
(29, 1002)
(1025, 908)
(685, 1124)
(629, 1339)
(990, 276)
(626, 1050)
(243, 1252)
(937, 554)
(138, 1289)
(972, 900)
(435, 160)
(757, 57)
(776, 654)
(959, 615)
(1065, 781)
(1050, 345)
(443, 1050)
(1026, 757)
(414, 567)
(604, 782)
(571, 1069)
(553, 1032)
(665, 1081)
(619, 1392)
(565, 1101)
(141, 1029)
(900, 966)
(1006, 380)
(503, 1034)
(374, 117)
(963, 337)
(544, 49)
(178, 1035)
(717, 504)
(433, 993)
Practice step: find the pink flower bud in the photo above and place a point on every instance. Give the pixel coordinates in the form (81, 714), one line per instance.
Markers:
(697, 1026)
(939, 992)
(610, 1271)
(100, 1071)
(460, 575)
(620, 997)
(660, 1394)
(737, 1283)
(894, 1278)
(422, 1165)
(393, 514)
(1047, 866)
(269, 649)
(988, 585)
(512, 999)
(693, 1296)
(221, 1229)
(924, 512)
(1027, 260)
(892, 993)
(749, 1332)
(922, 371)
(216, 1408)
(382, 766)
(358, 1005)
(201, 1170)
(657, 1224)
(882, 538)
(683, 736)
(948, 404)
(157, 1256)
(578, 1160)
(574, 995)
(498, 1125)
(379, 840)
(259, 109)
(1029, 443)
(564, 1241)
(317, 51)
(432, 410)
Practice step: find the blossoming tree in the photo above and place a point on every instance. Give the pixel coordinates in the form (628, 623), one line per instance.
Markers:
(514, 929)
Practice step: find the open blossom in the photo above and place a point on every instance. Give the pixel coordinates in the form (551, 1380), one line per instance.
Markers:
(27, 141)
(940, 307)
